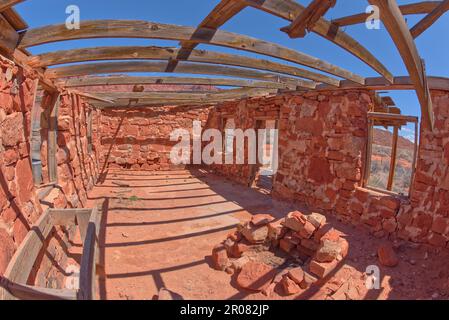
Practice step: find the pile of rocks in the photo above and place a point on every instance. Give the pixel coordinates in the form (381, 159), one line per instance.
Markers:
(312, 247)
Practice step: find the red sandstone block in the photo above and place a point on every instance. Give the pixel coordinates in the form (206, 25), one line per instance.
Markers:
(387, 255)
(440, 224)
(286, 245)
(437, 240)
(320, 269)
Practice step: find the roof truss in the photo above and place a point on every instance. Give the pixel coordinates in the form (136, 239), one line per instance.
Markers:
(265, 74)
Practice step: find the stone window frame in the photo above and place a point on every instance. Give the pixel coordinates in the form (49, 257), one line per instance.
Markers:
(390, 120)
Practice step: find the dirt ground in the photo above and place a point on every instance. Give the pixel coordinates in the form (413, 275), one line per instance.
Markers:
(159, 228)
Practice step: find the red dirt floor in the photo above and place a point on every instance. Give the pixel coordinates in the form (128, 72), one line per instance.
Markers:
(159, 232)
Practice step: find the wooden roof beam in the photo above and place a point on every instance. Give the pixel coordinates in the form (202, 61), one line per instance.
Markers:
(423, 7)
(307, 19)
(223, 12)
(150, 30)
(8, 36)
(129, 80)
(397, 27)
(166, 53)
(179, 95)
(183, 67)
(289, 10)
(6, 4)
(430, 19)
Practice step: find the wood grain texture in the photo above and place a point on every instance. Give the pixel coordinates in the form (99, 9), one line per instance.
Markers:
(397, 27)
(288, 9)
(429, 19)
(183, 67)
(129, 80)
(165, 53)
(6, 4)
(151, 30)
(8, 36)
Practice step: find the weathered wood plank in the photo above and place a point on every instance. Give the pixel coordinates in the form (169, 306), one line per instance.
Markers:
(307, 19)
(6, 4)
(151, 30)
(87, 289)
(165, 53)
(179, 95)
(399, 83)
(397, 27)
(21, 264)
(27, 292)
(288, 9)
(394, 152)
(128, 80)
(408, 9)
(35, 139)
(430, 19)
(14, 19)
(160, 67)
(52, 137)
(224, 11)
(8, 36)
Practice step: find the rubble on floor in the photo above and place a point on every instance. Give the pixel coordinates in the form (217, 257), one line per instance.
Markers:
(291, 253)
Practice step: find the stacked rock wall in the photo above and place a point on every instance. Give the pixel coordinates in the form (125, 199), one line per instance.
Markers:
(140, 138)
(21, 201)
(322, 150)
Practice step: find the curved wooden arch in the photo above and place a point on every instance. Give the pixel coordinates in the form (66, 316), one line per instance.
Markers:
(127, 80)
(167, 53)
(289, 10)
(160, 67)
(151, 30)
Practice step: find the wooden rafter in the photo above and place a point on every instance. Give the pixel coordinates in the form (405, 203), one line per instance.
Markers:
(164, 53)
(224, 11)
(397, 27)
(399, 83)
(160, 67)
(183, 95)
(407, 9)
(151, 30)
(128, 80)
(430, 19)
(6, 4)
(288, 9)
(8, 36)
(307, 19)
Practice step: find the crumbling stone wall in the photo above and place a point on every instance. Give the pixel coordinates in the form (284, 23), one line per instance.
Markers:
(425, 217)
(21, 202)
(18, 206)
(140, 138)
(322, 149)
(245, 114)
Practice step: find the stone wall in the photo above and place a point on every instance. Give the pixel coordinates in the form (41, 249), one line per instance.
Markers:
(140, 138)
(245, 114)
(425, 218)
(322, 148)
(21, 202)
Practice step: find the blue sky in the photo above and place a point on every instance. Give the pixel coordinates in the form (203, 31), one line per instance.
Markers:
(433, 45)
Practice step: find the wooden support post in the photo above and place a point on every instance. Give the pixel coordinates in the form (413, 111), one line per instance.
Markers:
(394, 150)
(52, 138)
(369, 148)
(35, 139)
(430, 19)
